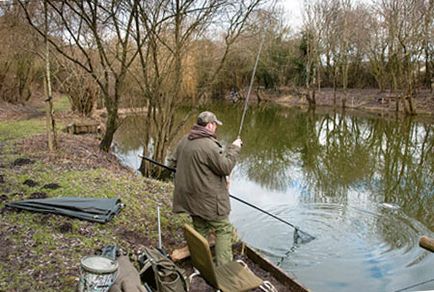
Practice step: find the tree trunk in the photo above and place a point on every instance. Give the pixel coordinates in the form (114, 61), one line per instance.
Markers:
(334, 86)
(344, 100)
(345, 85)
(428, 70)
(310, 96)
(403, 99)
(397, 104)
(411, 91)
(51, 123)
(411, 108)
(144, 166)
(258, 95)
(393, 91)
(111, 127)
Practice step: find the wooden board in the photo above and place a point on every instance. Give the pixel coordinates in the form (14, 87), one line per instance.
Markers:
(275, 271)
(183, 253)
(258, 259)
(84, 127)
(427, 243)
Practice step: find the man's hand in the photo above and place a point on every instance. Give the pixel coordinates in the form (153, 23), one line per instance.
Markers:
(238, 142)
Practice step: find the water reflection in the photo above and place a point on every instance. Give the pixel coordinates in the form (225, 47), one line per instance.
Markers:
(327, 156)
(363, 186)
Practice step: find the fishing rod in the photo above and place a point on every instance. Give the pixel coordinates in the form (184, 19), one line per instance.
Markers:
(252, 78)
(304, 237)
(269, 214)
(158, 163)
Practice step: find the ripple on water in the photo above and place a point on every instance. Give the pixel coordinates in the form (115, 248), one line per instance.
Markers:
(377, 242)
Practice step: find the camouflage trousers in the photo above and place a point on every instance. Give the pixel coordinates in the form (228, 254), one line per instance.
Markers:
(224, 235)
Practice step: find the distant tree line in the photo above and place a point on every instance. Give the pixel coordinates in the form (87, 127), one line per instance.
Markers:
(385, 44)
(164, 53)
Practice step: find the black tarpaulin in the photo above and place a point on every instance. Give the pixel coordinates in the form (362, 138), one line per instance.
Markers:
(90, 209)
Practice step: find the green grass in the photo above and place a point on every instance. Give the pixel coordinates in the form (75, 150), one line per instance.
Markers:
(20, 129)
(62, 104)
(42, 235)
(12, 130)
(41, 252)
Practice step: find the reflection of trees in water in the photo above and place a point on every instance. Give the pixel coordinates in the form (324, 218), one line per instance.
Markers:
(327, 155)
(342, 158)
(271, 175)
(266, 155)
(279, 143)
(131, 133)
(405, 167)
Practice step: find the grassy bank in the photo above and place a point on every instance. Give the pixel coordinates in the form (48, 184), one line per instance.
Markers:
(41, 252)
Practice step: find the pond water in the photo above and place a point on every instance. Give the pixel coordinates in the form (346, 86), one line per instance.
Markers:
(363, 186)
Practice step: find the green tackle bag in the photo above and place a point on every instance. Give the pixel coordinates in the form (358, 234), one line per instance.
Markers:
(160, 273)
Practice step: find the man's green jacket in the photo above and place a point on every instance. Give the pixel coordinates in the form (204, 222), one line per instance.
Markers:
(200, 181)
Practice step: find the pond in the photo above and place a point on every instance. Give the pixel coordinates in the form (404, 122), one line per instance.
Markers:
(362, 185)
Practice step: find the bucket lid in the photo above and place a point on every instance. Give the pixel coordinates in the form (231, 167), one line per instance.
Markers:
(99, 264)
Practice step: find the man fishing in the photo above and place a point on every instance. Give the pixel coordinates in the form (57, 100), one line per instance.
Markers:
(201, 187)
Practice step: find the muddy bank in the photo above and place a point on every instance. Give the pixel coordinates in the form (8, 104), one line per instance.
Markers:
(367, 100)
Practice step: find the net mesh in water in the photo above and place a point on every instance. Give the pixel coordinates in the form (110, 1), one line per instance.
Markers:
(302, 237)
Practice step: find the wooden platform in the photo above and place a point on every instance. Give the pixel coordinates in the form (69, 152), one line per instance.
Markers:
(265, 264)
(83, 127)
(274, 270)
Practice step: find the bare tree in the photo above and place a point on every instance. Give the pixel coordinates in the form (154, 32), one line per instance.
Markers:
(427, 10)
(20, 65)
(313, 30)
(83, 98)
(405, 20)
(330, 11)
(172, 29)
(344, 46)
(377, 50)
(94, 35)
(51, 122)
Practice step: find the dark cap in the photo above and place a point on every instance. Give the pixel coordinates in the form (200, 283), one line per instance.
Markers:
(207, 117)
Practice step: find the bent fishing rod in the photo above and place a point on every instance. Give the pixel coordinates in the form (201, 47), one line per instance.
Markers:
(252, 78)
(307, 236)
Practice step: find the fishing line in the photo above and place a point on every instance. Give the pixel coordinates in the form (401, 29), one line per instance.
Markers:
(300, 236)
(415, 285)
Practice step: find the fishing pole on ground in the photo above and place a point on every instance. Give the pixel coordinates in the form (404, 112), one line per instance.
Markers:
(300, 236)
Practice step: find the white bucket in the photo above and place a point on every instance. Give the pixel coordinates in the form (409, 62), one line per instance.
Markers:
(97, 274)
